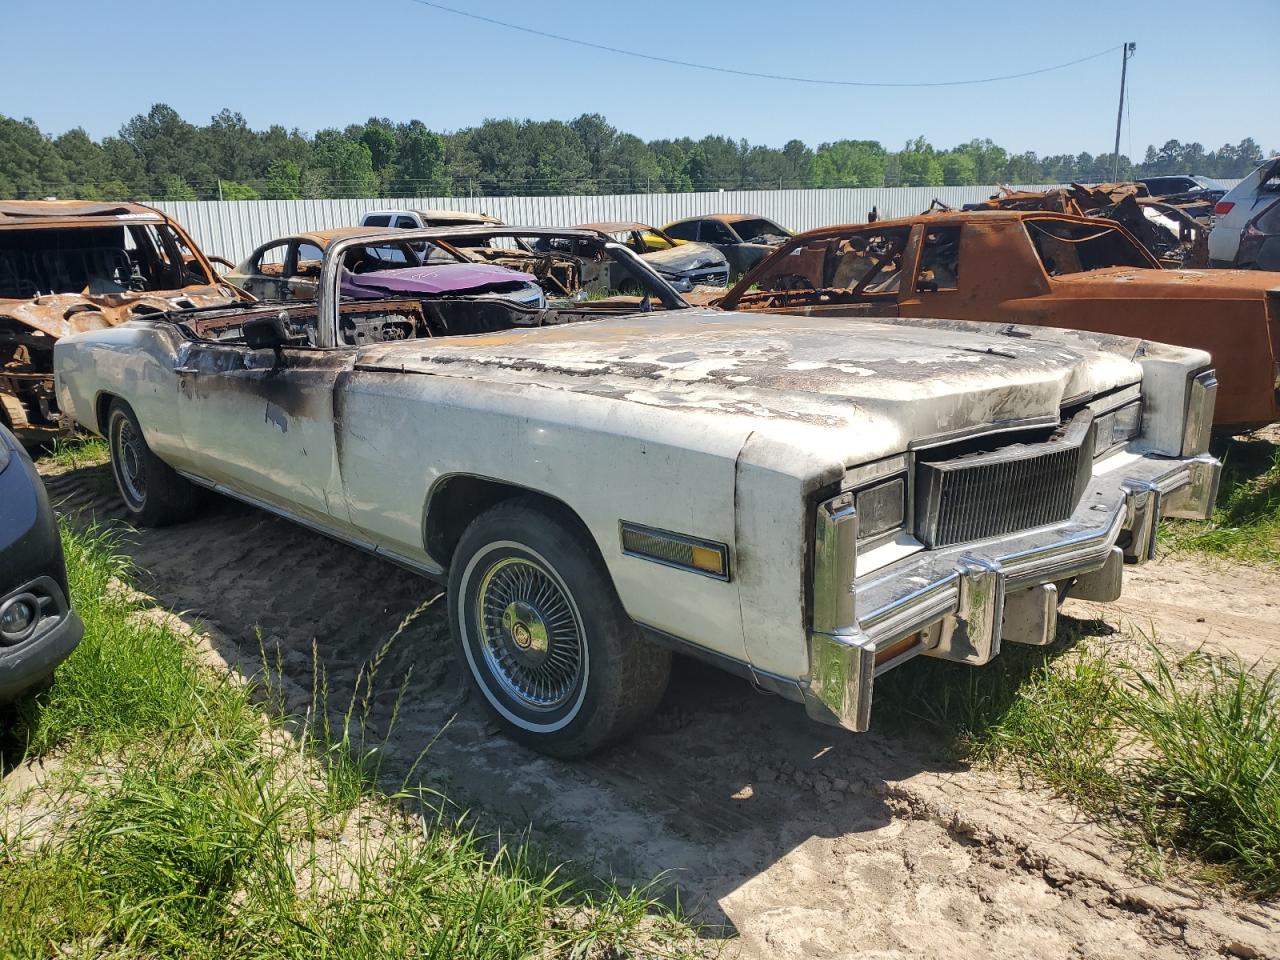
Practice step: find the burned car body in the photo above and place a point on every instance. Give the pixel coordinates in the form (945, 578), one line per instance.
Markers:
(1040, 269)
(288, 268)
(683, 264)
(1174, 228)
(743, 238)
(67, 266)
(849, 496)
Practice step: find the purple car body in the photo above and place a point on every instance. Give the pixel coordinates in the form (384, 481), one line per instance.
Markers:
(436, 279)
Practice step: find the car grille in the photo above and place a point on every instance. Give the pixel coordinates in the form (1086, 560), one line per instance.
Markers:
(1018, 486)
(712, 278)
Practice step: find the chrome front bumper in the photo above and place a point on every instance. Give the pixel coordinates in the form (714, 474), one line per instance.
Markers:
(960, 602)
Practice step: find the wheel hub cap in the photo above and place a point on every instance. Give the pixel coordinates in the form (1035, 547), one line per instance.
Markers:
(530, 636)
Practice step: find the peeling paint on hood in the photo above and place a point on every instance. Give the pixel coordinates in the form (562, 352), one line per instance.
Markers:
(883, 384)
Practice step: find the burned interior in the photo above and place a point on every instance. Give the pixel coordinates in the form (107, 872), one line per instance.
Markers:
(378, 304)
(67, 267)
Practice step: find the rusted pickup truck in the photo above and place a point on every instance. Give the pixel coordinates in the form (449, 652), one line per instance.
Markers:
(1041, 269)
(67, 266)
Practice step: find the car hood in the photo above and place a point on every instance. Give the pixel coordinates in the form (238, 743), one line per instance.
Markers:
(878, 384)
(62, 314)
(1131, 282)
(439, 278)
(687, 256)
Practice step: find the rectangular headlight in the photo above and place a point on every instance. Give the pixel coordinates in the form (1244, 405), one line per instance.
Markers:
(882, 508)
(1117, 426)
(706, 557)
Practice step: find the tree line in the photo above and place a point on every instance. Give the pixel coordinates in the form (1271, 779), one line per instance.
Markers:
(159, 155)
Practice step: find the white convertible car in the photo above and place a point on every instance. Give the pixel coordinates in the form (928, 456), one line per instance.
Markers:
(805, 501)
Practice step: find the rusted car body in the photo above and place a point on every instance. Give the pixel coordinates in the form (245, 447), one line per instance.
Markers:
(67, 266)
(1173, 228)
(1042, 269)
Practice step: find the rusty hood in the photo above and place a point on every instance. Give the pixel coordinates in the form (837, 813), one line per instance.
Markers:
(878, 385)
(1131, 282)
(62, 314)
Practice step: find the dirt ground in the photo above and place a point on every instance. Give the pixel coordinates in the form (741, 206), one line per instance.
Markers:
(789, 839)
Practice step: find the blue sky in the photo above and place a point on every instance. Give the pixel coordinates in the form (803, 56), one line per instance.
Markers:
(1202, 71)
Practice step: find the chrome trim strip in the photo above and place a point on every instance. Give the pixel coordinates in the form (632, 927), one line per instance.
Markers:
(835, 552)
(1202, 395)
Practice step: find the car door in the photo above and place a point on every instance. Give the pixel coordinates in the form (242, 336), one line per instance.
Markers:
(260, 422)
(859, 274)
(302, 270)
(930, 285)
(265, 278)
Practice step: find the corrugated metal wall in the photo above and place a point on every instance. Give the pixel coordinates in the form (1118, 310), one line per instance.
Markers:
(233, 228)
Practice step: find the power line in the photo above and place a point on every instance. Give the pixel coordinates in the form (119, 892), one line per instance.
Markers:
(750, 73)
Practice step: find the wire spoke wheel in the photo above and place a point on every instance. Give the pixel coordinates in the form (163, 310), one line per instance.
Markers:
(530, 636)
(128, 461)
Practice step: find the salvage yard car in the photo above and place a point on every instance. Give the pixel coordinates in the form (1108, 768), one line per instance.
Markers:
(684, 265)
(804, 502)
(1041, 269)
(73, 265)
(38, 627)
(288, 268)
(743, 238)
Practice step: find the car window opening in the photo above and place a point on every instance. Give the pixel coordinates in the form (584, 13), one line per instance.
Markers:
(1066, 248)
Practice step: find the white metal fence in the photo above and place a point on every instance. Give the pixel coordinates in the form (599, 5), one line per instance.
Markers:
(233, 228)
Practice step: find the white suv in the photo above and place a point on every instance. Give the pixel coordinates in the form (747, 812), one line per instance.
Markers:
(1242, 203)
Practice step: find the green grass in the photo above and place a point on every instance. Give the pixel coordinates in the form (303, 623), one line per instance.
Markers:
(1246, 521)
(191, 825)
(1180, 757)
(75, 452)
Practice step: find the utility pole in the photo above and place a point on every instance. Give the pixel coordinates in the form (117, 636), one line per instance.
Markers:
(1127, 52)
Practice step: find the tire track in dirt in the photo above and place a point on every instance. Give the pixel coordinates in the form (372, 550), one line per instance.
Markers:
(801, 840)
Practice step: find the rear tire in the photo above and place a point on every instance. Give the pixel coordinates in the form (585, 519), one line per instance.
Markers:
(154, 494)
(543, 635)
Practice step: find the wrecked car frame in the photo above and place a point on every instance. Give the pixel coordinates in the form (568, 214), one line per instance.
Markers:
(850, 497)
(67, 266)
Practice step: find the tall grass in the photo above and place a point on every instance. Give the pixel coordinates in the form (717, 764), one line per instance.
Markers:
(1182, 757)
(192, 826)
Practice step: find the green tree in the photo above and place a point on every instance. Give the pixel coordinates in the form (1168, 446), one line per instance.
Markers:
(919, 165)
(346, 164)
(29, 162)
(420, 166)
(231, 190)
(850, 163)
(175, 188)
(284, 180)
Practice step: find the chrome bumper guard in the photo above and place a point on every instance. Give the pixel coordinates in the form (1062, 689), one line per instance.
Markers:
(963, 600)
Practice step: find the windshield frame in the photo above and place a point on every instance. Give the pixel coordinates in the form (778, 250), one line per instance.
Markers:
(328, 294)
